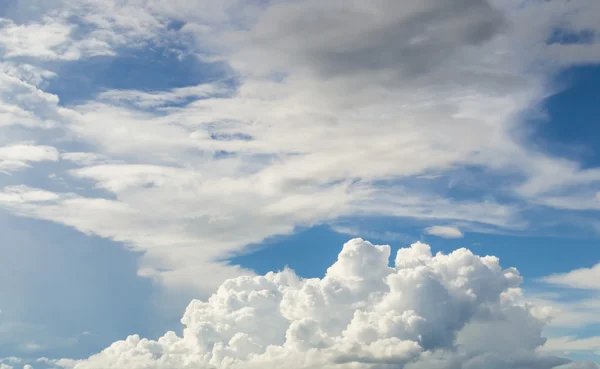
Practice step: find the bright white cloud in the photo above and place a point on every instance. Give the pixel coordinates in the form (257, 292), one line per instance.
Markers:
(443, 311)
(348, 117)
(584, 278)
(16, 157)
(50, 39)
(330, 120)
(444, 231)
(24, 194)
(23, 103)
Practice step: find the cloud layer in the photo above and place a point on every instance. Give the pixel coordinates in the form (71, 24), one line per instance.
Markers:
(325, 110)
(427, 311)
(370, 111)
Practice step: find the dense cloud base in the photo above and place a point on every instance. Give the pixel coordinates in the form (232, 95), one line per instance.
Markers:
(428, 311)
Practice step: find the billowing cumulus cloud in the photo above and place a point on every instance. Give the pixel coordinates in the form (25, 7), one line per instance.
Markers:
(426, 311)
(338, 109)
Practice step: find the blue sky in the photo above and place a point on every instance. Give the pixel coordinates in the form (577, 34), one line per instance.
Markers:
(150, 151)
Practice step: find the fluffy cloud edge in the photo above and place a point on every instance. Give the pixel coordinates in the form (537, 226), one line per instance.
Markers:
(456, 310)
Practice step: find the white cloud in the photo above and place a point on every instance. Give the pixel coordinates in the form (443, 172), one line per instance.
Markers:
(568, 345)
(365, 103)
(27, 73)
(24, 104)
(444, 231)
(584, 278)
(565, 310)
(443, 311)
(84, 158)
(361, 107)
(16, 157)
(159, 99)
(50, 39)
(23, 194)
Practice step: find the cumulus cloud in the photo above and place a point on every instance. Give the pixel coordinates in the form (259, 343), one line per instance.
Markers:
(444, 311)
(337, 119)
(444, 231)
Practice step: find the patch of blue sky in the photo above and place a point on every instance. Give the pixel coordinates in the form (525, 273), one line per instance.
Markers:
(149, 69)
(175, 25)
(73, 293)
(463, 183)
(22, 12)
(8, 7)
(571, 128)
(54, 177)
(535, 220)
(565, 36)
(310, 251)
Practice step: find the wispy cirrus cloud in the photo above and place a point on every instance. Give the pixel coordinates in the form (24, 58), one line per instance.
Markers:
(340, 132)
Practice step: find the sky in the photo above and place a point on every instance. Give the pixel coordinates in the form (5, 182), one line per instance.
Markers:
(299, 184)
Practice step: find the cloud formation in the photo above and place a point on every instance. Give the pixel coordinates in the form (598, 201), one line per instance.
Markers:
(17, 157)
(376, 109)
(444, 231)
(569, 344)
(364, 113)
(427, 311)
(584, 278)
